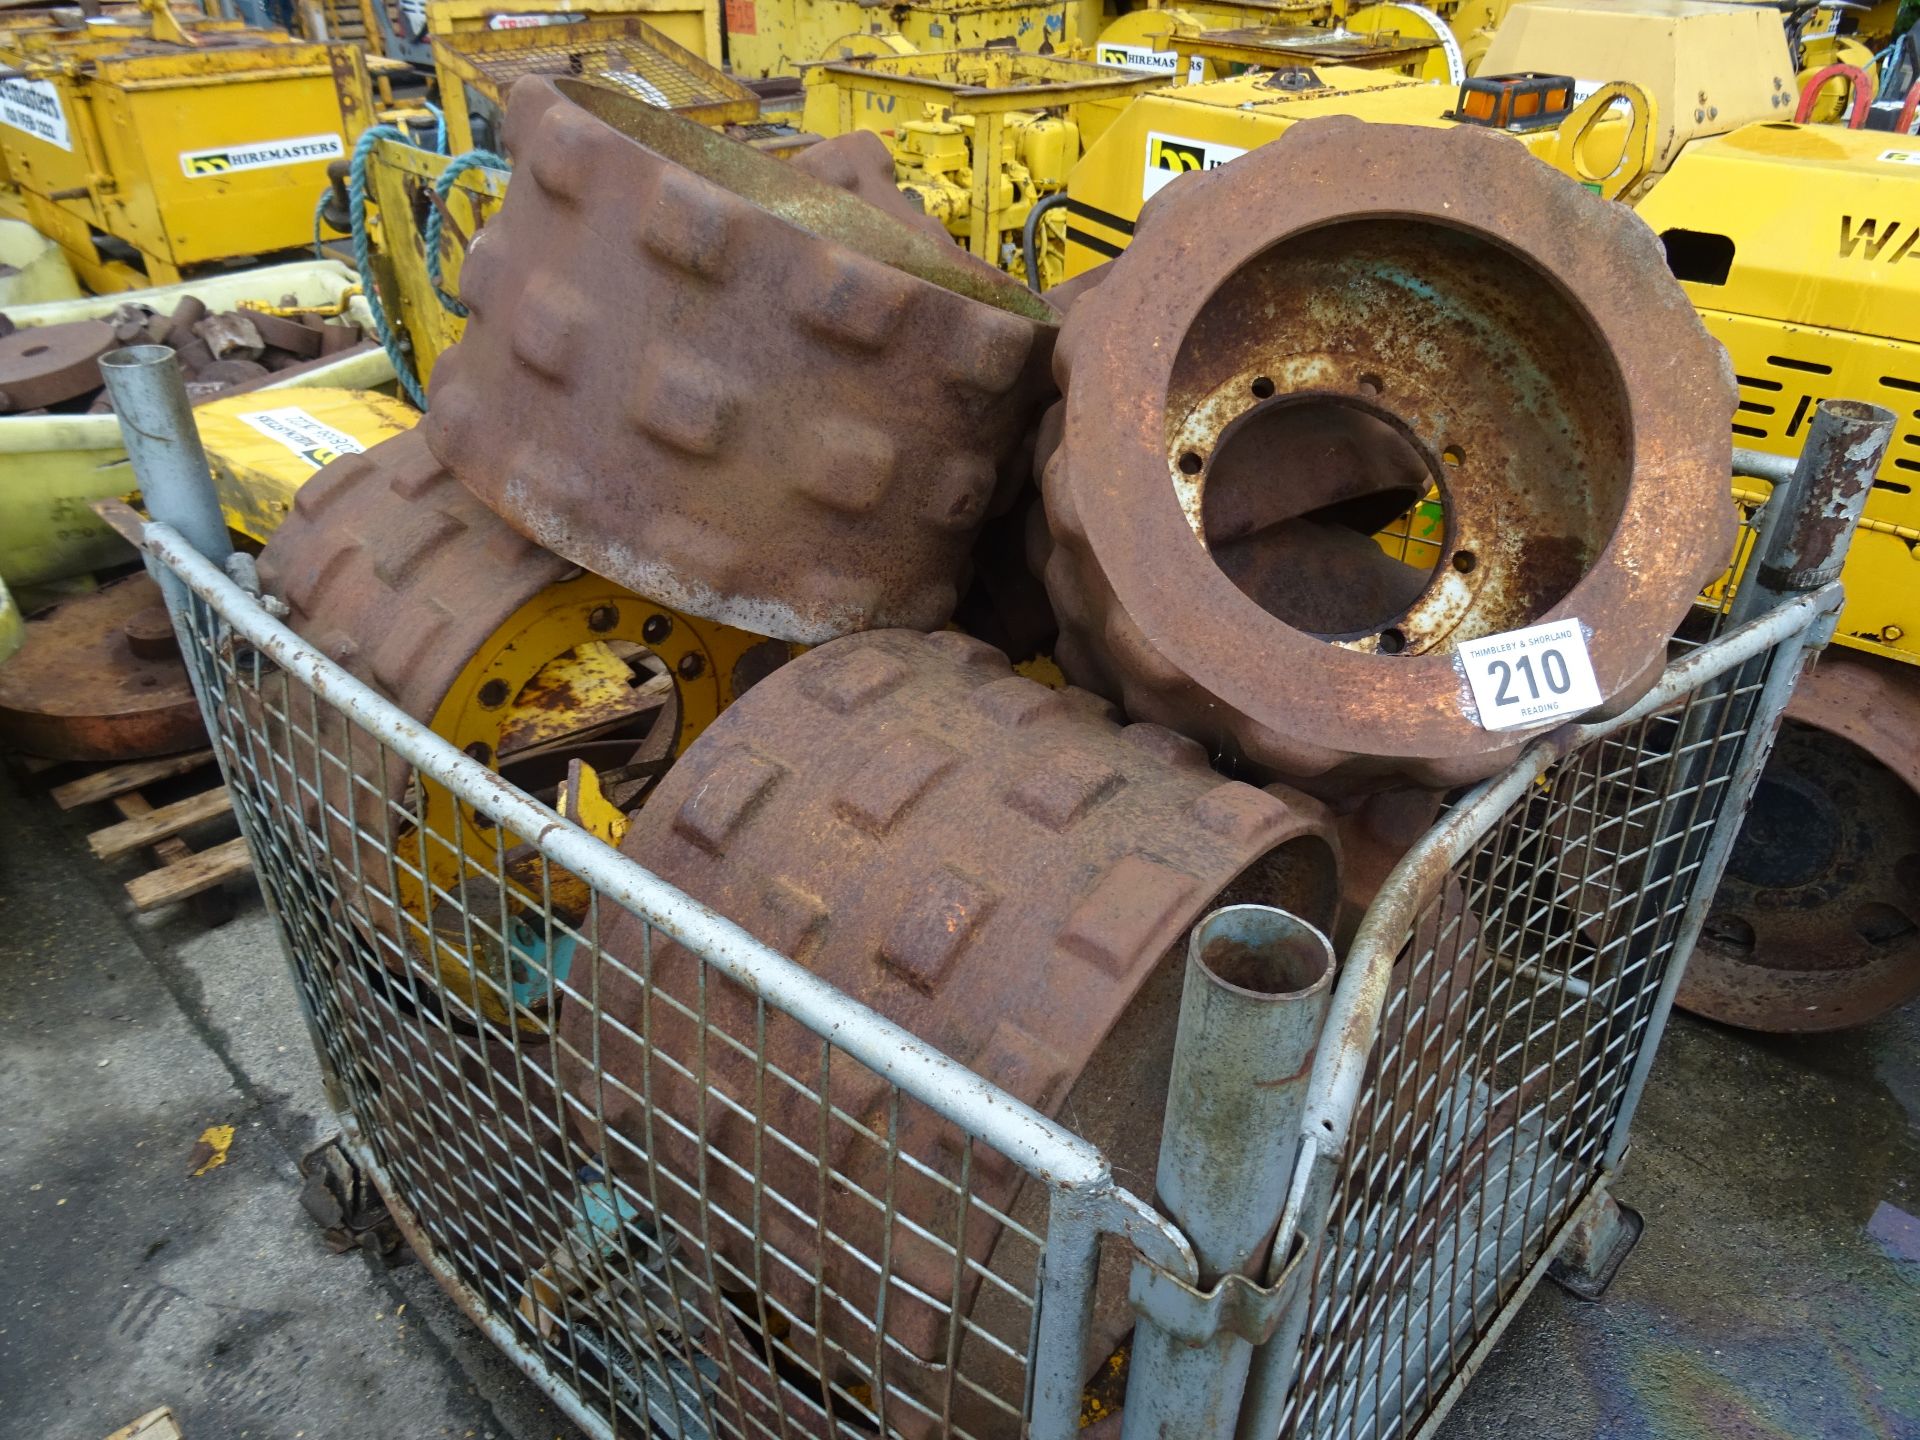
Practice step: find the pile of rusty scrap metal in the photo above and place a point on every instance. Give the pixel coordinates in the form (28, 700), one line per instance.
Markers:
(55, 369)
(764, 395)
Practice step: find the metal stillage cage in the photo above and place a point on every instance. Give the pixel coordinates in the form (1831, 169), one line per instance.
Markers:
(797, 1219)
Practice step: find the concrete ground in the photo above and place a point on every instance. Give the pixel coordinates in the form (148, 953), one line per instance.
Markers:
(1776, 1292)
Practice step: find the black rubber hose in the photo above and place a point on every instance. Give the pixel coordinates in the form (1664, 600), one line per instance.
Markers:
(1030, 233)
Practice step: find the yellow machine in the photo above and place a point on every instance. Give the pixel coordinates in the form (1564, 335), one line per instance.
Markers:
(262, 447)
(1203, 39)
(404, 29)
(144, 156)
(777, 37)
(1800, 247)
(1199, 127)
(477, 67)
(979, 137)
(401, 184)
(1710, 67)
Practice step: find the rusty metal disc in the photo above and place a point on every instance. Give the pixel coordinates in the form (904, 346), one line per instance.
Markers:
(727, 385)
(1001, 868)
(1816, 925)
(1392, 310)
(51, 363)
(100, 678)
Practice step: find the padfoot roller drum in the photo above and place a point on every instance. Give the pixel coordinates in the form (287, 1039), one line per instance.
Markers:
(728, 385)
(999, 867)
(402, 577)
(1390, 313)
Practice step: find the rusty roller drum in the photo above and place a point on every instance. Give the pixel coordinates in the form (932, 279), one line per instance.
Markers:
(1388, 304)
(1816, 925)
(728, 385)
(398, 574)
(999, 867)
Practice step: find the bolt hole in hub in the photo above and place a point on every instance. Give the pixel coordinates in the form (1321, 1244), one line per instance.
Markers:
(1428, 460)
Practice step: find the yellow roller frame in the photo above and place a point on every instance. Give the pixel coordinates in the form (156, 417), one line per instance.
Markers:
(1604, 161)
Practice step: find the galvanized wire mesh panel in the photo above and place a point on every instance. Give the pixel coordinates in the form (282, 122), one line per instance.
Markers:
(622, 52)
(1523, 998)
(621, 1200)
(694, 1198)
(630, 63)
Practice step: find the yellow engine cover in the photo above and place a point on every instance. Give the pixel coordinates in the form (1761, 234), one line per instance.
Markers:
(1800, 247)
(1198, 127)
(1708, 67)
(777, 37)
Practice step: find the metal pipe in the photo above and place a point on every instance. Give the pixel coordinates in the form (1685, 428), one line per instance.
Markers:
(1774, 469)
(149, 394)
(1810, 523)
(1258, 985)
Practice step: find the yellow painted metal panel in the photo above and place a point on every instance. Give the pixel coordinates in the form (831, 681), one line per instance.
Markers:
(1783, 370)
(1708, 67)
(1824, 225)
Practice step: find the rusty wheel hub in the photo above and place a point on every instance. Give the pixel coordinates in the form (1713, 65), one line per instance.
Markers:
(100, 678)
(806, 414)
(1398, 317)
(1817, 923)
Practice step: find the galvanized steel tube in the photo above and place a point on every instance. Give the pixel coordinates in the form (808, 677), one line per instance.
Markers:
(1258, 984)
(149, 396)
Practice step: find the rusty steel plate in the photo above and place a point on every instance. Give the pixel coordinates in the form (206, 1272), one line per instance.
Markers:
(1816, 925)
(100, 678)
(47, 364)
(1390, 305)
(726, 385)
(997, 866)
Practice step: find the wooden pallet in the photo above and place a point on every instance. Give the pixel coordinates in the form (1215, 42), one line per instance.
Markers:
(181, 872)
(154, 1425)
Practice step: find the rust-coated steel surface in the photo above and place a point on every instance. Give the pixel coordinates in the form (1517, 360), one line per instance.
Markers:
(1814, 925)
(398, 575)
(1387, 303)
(98, 678)
(50, 363)
(999, 867)
(726, 385)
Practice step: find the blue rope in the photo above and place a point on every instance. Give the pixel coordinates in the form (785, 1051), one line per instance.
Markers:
(319, 209)
(439, 127)
(363, 258)
(443, 187)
